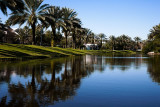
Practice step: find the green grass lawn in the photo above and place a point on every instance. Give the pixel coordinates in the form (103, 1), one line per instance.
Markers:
(33, 51)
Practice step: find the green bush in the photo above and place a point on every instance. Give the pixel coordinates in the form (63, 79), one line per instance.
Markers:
(150, 46)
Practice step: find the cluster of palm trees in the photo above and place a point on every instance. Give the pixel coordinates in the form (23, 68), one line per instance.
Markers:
(61, 21)
(124, 42)
(46, 24)
(41, 90)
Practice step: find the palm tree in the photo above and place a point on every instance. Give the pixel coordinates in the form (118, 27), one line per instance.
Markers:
(124, 41)
(112, 40)
(55, 21)
(137, 40)
(80, 34)
(76, 26)
(68, 16)
(33, 11)
(93, 36)
(101, 36)
(13, 5)
(154, 32)
(87, 32)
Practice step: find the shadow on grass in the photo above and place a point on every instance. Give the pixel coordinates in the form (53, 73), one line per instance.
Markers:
(38, 50)
(68, 51)
(13, 53)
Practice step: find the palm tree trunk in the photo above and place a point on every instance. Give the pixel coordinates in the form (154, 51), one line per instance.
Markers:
(101, 42)
(112, 46)
(65, 33)
(53, 36)
(34, 33)
(80, 41)
(74, 41)
(86, 40)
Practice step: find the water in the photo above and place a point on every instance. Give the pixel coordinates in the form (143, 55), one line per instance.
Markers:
(83, 81)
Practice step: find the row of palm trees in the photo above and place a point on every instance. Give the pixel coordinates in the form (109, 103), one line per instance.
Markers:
(61, 21)
(124, 42)
(34, 12)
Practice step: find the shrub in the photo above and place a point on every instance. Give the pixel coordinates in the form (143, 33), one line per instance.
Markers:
(149, 46)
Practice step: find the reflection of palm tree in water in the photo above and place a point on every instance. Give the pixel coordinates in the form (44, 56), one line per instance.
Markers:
(41, 92)
(154, 68)
(22, 95)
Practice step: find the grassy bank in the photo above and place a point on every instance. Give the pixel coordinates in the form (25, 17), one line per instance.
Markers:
(32, 51)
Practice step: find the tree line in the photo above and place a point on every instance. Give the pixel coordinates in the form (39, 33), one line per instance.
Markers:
(57, 26)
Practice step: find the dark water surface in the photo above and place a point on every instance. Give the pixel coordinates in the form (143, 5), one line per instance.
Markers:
(84, 81)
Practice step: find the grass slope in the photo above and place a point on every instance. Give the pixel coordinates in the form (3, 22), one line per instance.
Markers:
(33, 51)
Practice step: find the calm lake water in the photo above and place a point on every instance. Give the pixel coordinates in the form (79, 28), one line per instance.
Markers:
(83, 81)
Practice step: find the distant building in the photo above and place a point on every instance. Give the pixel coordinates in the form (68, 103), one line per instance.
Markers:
(7, 34)
(91, 46)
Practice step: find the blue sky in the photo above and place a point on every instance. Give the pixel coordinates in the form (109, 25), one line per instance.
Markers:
(114, 17)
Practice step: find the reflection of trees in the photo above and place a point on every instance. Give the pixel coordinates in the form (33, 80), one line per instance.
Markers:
(5, 74)
(154, 68)
(39, 91)
(124, 62)
(44, 87)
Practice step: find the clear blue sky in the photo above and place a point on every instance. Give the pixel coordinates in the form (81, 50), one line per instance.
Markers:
(114, 17)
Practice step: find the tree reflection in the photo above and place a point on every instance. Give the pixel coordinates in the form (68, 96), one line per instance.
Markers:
(154, 68)
(50, 81)
(40, 91)
(124, 62)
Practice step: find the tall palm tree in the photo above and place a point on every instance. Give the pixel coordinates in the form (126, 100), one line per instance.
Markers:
(13, 5)
(55, 21)
(101, 36)
(33, 11)
(80, 37)
(75, 27)
(68, 16)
